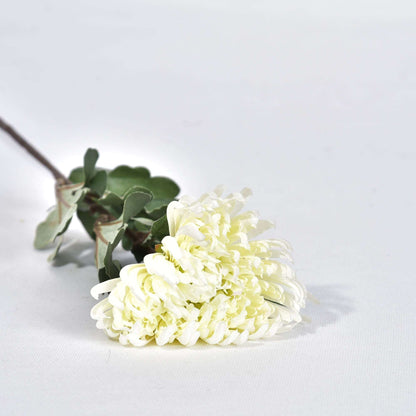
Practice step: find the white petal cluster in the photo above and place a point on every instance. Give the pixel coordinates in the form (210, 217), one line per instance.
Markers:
(211, 280)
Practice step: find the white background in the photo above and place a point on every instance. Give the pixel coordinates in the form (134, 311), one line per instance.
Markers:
(311, 104)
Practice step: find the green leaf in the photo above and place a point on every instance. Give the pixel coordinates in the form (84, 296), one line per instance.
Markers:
(126, 243)
(158, 213)
(160, 229)
(143, 225)
(77, 175)
(67, 197)
(163, 188)
(156, 204)
(134, 203)
(98, 183)
(95, 179)
(110, 272)
(112, 202)
(90, 159)
(137, 188)
(88, 220)
(55, 251)
(108, 235)
(122, 178)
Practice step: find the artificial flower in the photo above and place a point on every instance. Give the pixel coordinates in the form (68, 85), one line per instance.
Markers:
(210, 279)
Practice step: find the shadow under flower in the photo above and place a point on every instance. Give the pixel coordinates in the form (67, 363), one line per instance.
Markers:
(332, 304)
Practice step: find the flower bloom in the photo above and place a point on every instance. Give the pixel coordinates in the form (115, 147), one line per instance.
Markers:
(210, 280)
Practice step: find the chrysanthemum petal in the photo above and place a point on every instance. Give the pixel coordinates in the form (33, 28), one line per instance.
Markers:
(211, 280)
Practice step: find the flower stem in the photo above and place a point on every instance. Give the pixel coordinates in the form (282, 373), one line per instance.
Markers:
(35, 153)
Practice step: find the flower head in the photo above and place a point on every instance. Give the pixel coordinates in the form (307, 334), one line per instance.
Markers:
(210, 280)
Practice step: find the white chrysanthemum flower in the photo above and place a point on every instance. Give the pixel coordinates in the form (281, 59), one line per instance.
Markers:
(211, 280)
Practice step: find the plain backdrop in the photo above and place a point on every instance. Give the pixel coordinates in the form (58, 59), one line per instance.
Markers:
(311, 104)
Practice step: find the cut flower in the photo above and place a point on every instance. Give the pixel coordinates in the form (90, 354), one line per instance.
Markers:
(210, 280)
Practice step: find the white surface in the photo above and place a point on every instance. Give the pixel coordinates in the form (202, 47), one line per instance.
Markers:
(312, 105)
